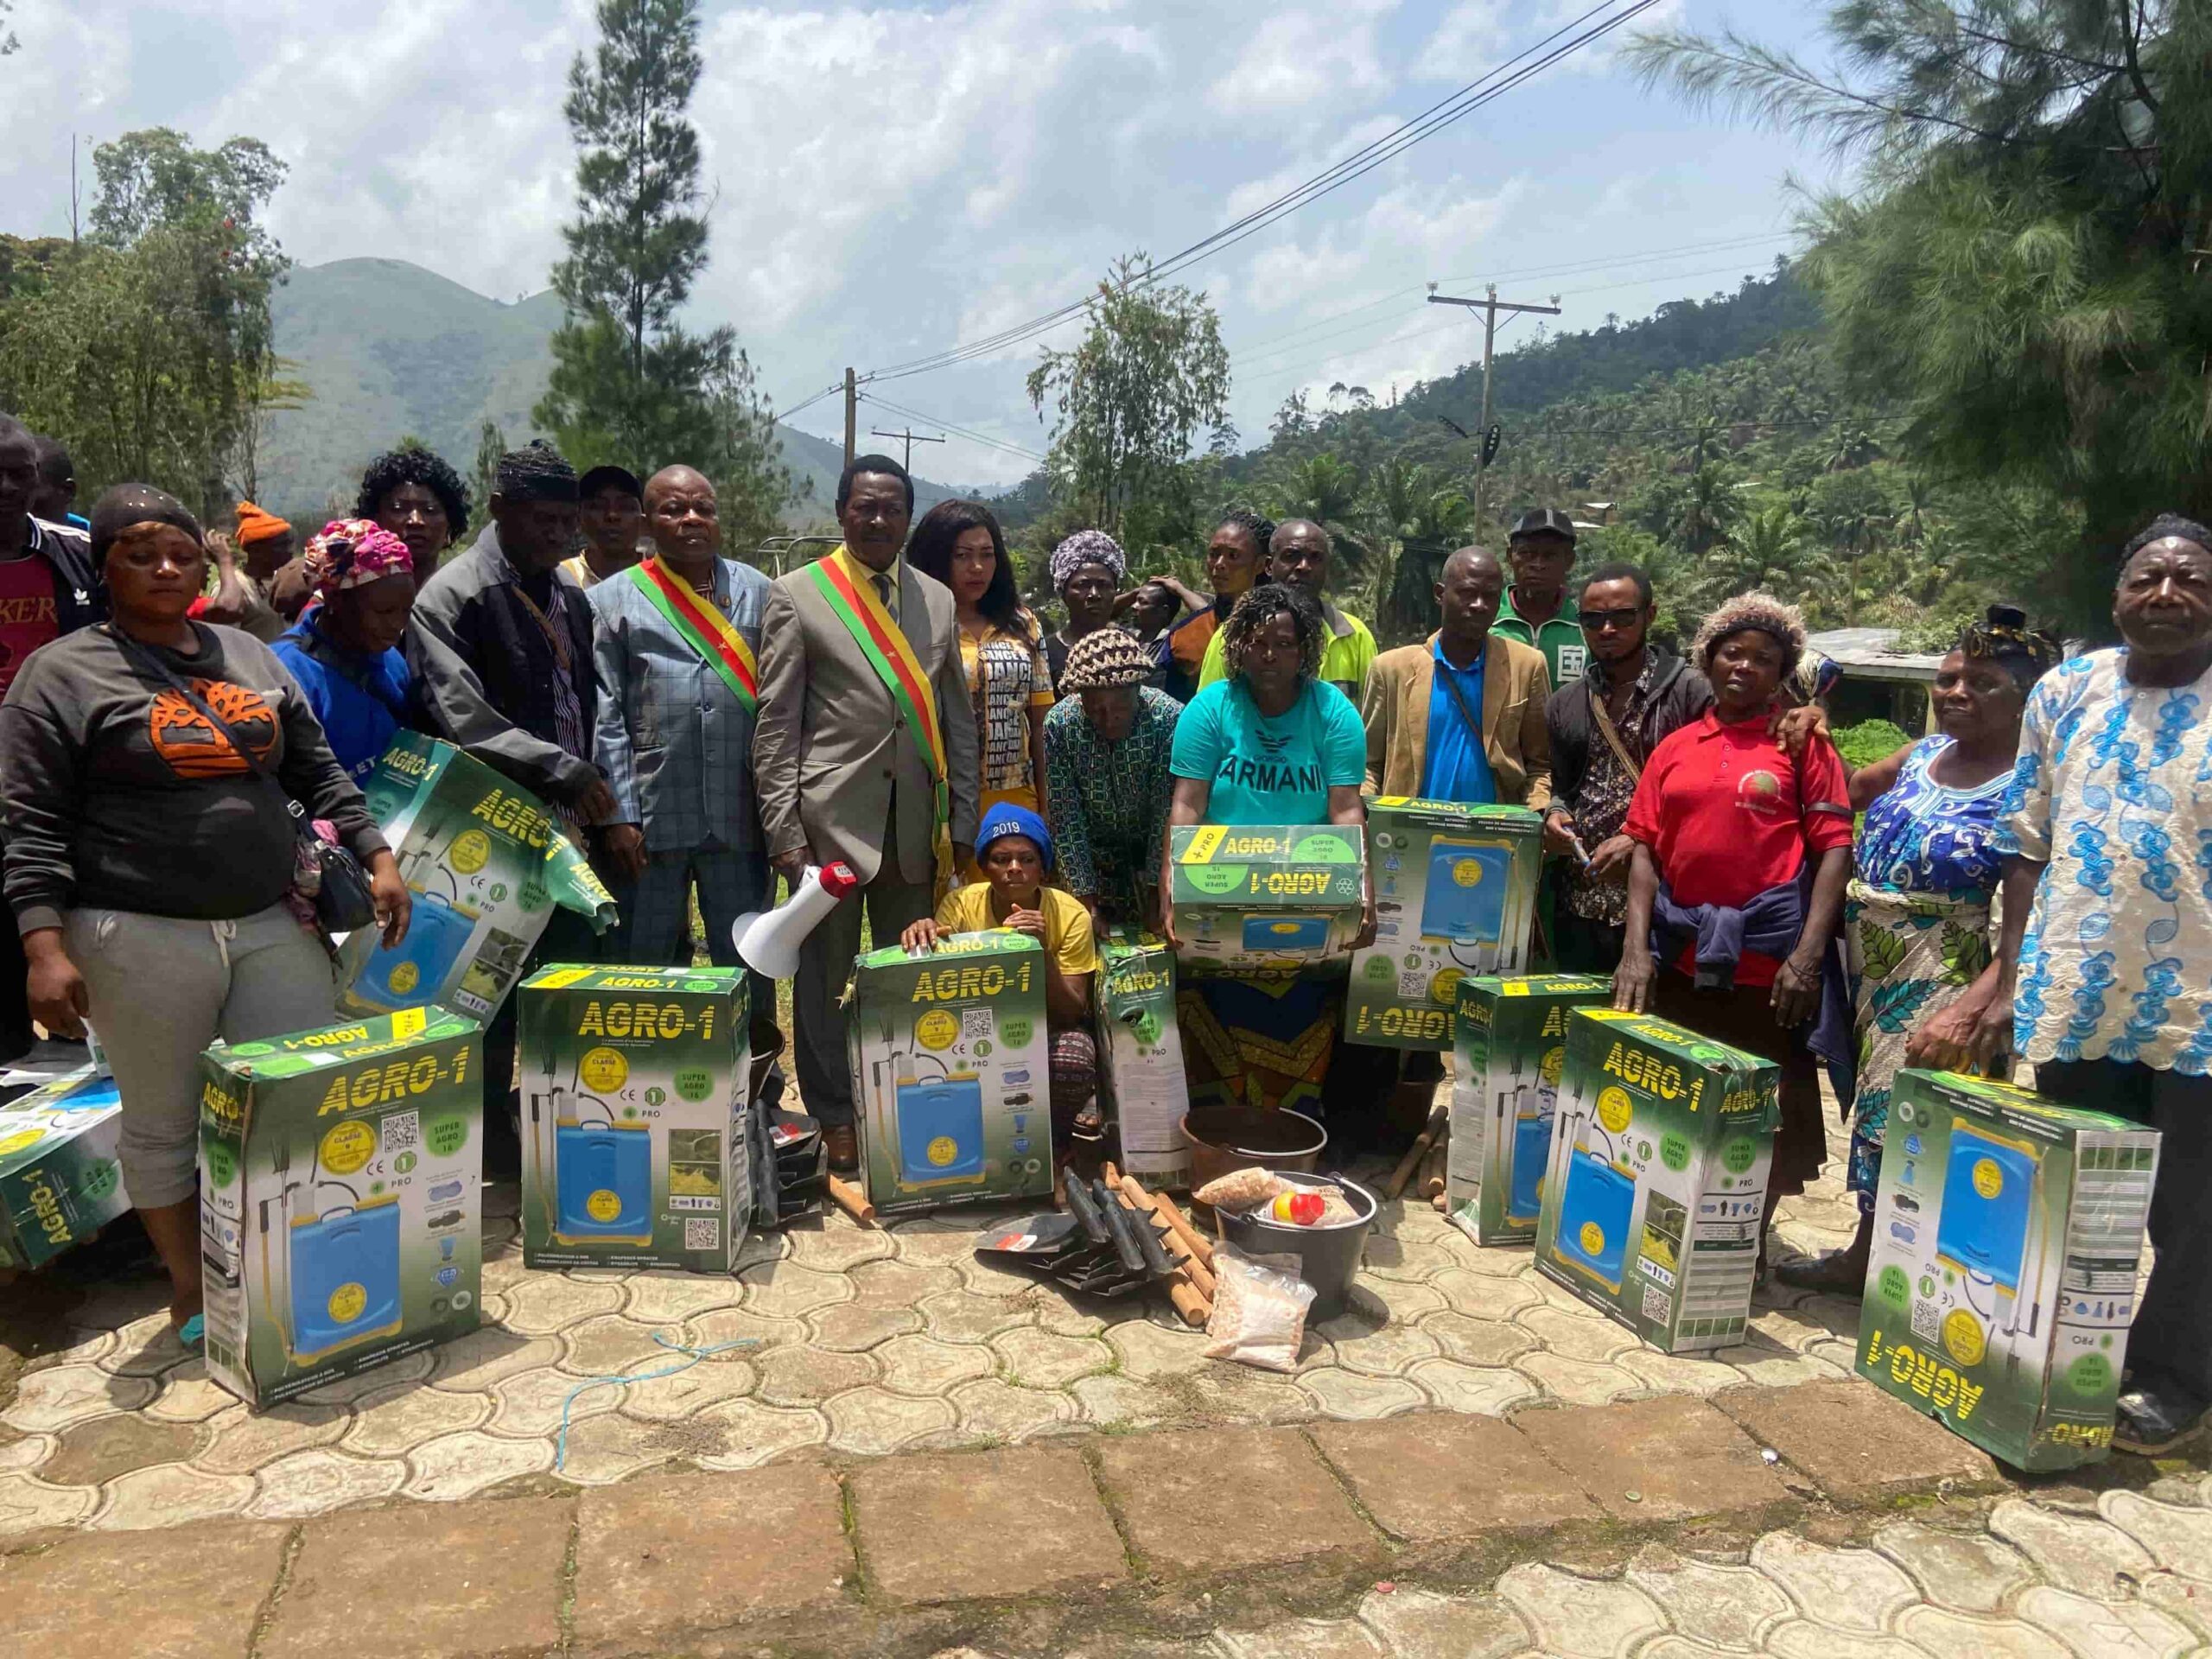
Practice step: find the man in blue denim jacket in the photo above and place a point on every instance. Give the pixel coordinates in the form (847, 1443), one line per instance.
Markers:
(675, 730)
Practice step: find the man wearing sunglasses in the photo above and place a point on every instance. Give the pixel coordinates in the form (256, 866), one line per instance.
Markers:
(1603, 725)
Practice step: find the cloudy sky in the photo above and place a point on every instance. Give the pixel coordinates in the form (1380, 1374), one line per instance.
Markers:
(891, 181)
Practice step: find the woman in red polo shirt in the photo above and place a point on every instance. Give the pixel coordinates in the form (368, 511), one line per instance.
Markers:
(1741, 857)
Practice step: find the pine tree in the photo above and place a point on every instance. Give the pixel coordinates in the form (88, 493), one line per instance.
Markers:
(630, 383)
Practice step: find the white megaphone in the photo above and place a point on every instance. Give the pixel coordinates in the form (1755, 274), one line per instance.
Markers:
(769, 940)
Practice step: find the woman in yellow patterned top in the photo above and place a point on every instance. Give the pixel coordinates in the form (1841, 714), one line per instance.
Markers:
(960, 544)
(1015, 851)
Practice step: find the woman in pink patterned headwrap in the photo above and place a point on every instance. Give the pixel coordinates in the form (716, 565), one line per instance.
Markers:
(344, 649)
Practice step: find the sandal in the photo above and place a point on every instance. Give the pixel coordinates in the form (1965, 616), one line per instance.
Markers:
(193, 1333)
(1089, 1122)
(1832, 1273)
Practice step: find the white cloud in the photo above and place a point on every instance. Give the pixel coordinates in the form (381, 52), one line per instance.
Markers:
(889, 180)
(1301, 57)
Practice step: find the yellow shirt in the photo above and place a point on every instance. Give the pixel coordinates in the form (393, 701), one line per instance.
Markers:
(1067, 923)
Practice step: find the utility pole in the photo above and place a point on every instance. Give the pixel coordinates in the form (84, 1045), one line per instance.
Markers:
(852, 413)
(911, 437)
(1490, 305)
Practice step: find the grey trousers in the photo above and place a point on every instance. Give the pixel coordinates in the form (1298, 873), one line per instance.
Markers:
(160, 990)
(825, 964)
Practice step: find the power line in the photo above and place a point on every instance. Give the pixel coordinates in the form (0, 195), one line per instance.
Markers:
(1533, 61)
(968, 433)
(1609, 262)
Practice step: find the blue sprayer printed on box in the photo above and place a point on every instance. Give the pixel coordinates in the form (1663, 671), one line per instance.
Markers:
(339, 1175)
(940, 1128)
(345, 1275)
(1651, 1205)
(1455, 894)
(1990, 1185)
(2008, 1233)
(604, 1180)
(1509, 1045)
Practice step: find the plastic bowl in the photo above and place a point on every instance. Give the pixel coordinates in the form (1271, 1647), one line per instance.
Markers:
(1328, 1258)
(1226, 1138)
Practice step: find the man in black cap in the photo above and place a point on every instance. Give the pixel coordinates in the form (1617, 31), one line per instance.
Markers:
(1537, 611)
(612, 511)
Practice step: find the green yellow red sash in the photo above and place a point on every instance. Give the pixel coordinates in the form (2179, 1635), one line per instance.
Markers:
(847, 588)
(702, 626)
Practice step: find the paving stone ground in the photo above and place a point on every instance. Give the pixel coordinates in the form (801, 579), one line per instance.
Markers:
(870, 1342)
(1236, 1542)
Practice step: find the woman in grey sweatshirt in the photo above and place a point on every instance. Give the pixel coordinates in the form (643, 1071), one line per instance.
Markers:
(147, 863)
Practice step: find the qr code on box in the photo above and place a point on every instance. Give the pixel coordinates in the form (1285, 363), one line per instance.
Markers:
(702, 1233)
(975, 1022)
(403, 1132)
(1655, 1304)
(1927, 1320)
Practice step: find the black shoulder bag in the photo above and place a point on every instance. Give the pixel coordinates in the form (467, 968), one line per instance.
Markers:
(343, 901)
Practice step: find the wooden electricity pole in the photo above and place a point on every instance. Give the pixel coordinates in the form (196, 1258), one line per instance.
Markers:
(852, 413)
(911, 437)
(1490, 305)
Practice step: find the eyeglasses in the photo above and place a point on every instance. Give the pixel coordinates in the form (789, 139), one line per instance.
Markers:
(1599, 621)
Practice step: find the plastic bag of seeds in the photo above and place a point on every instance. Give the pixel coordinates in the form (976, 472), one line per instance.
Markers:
(1242, 1189)
(1259, 1309)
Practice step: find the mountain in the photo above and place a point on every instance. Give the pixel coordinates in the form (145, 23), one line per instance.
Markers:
(386, 349)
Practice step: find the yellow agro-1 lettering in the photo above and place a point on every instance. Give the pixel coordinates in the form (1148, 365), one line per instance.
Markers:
(373, 1085)
(1647, 1071)
(515, 816)
(414, 766)
(220, 1102)
(1554, 1021)
(665, 1020)
(45, 1205)
(953, 984)
(1927, 1376)
(329, 1038)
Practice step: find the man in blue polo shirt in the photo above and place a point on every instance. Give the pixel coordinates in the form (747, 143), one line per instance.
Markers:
(1538, 610)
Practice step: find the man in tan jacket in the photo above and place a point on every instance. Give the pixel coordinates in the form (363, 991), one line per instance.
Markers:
(1461, 717)
(844, 763)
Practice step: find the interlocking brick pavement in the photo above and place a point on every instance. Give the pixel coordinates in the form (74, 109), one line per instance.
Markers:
(1306, 1541)
(870, 1342)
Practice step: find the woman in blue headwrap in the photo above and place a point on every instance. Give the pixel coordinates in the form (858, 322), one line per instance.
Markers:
(1014, 850)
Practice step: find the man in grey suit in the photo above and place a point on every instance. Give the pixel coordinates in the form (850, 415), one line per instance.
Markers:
(842, 775)
(675, 738)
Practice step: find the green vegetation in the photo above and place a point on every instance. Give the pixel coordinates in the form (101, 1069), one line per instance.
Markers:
(148, 346)
(1868, 741)
(630, 384)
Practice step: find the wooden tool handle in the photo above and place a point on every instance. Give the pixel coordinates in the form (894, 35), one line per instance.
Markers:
(1395, 1186)
(1194, 1308)
(1171, 1212)
(850, 1199)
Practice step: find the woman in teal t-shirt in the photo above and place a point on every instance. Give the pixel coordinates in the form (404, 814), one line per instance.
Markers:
(1270, 744)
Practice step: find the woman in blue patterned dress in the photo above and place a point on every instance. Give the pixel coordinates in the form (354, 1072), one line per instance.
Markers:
(1917, 912)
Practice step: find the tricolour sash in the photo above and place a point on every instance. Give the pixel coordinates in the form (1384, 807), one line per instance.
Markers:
(847, 588)
(700, 626)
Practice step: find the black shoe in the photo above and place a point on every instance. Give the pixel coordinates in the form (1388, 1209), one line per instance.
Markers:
(2154, 1418)
(1832, 1273)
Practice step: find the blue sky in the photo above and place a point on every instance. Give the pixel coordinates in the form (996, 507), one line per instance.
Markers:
(891, 181)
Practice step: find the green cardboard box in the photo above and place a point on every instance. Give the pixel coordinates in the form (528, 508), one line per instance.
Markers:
(636, 1149)
(1140, 1055)
(1455, 894)
(59, 1181)
(339, 1172)
(486, 862)
(953, 1072)
(2008, 1232)
(1656, 1187)
(1510, 1049)
(1266, 896)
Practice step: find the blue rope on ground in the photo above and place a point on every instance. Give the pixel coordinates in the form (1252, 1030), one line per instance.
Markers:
(692, 1357)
